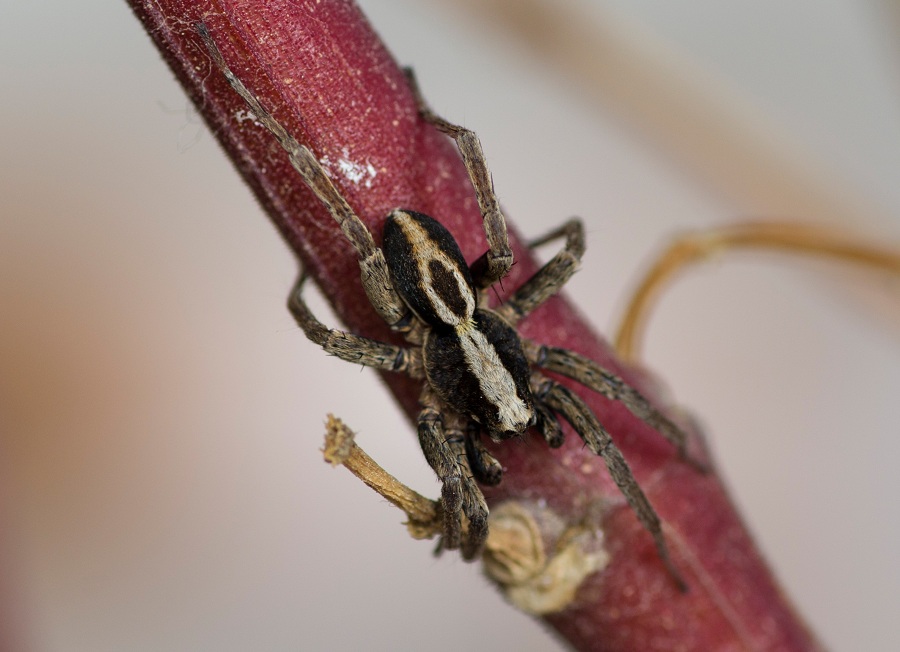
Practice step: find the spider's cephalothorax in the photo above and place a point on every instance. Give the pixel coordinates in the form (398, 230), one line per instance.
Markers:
(479, 376)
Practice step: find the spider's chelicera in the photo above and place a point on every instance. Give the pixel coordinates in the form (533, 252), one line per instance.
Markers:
(479, 376)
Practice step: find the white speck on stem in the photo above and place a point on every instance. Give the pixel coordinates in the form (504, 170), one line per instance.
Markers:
(354, 172)
(242, 115)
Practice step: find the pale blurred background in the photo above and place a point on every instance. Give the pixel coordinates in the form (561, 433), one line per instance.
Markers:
(161, 486)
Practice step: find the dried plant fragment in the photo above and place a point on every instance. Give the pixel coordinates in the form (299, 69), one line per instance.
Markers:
(425, 518)
(538, 560)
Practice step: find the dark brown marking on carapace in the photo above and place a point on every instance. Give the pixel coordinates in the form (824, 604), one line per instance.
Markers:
(428, 269)
(446, 285)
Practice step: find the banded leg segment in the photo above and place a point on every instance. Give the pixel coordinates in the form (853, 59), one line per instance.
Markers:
(604, 382)
(444, 446)
(497, 260)
(375, 277)
(442, 459)
(574, 410)
(550, 278)
(348, 346)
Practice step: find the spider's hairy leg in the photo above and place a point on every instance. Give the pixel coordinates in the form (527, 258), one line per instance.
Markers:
(374, 272)
(485, 467)
(548, 425)
(604, 382)
(443, 460)
(473, 504)
(584, 422)
(300, 156)
(548, 280)
(442, 438)
(497, 260)
(348, 346)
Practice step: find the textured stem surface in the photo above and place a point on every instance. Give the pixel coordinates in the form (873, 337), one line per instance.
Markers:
(323, 73)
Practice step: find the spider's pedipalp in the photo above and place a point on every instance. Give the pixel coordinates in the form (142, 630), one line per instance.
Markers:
(485, 467)
(574, 410)
(548, 425)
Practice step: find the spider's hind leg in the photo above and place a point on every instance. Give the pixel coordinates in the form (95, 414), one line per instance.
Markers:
(550, 278)
(348, 346)
(375, 277)
(497, 260)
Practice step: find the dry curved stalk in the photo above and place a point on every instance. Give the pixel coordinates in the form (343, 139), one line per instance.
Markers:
(693, 248)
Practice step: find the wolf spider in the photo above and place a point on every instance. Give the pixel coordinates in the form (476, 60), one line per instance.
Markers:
(479, 376)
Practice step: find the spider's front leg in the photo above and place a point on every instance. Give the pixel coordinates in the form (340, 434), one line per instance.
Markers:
(604, 382)
(495, 263)
(444, 448)
(574, 410)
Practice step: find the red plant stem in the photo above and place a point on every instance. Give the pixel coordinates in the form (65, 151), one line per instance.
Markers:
(324, 74)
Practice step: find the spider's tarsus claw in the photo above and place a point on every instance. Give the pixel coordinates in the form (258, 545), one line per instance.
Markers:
(478, 531)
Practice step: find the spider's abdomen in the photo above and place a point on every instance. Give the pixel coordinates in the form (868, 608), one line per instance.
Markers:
(481, 372)
(428, 269)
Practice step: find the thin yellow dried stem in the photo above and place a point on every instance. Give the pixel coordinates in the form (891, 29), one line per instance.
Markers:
(425, 519)
(536, 579)
(692, 248)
